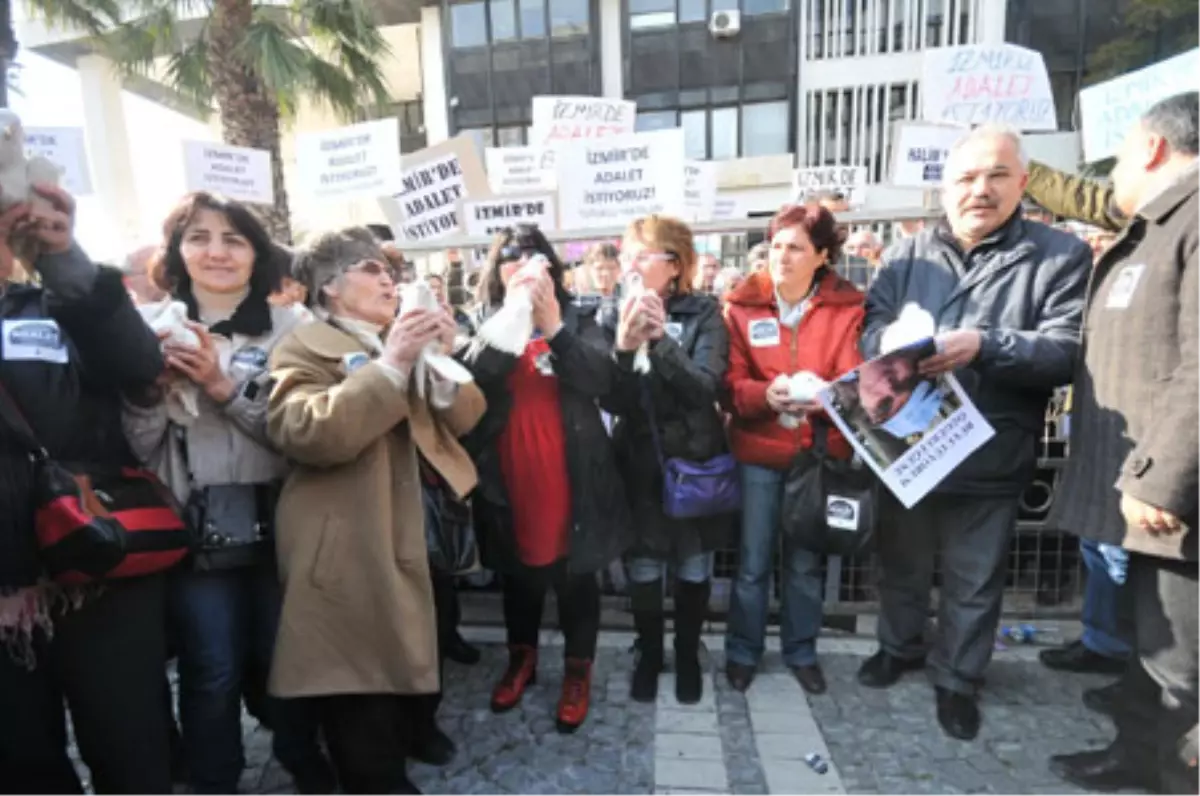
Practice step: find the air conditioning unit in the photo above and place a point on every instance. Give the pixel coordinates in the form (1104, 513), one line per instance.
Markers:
(724, 24)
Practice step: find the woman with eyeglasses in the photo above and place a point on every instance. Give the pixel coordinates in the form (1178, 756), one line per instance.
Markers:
(204, 431)
(550, 507)
(667, 410)
(357, 638)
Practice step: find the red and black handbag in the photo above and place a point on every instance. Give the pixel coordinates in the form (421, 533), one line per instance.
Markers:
(95, 523)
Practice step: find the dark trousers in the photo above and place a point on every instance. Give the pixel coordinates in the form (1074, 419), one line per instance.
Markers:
(449, 612)
(226, 622)
(972, 534)
(578, 608)
(369, 736)
(1158, 722)
(106, 659)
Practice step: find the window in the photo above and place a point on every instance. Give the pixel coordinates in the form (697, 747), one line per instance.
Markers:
(645, 14)
(724, 134)
(504, 20)
(695, 134)
(533, 19)
(568, 18)
(655, 120)
(468, 24)
(510, 136)
(753, 7)
(765, 129)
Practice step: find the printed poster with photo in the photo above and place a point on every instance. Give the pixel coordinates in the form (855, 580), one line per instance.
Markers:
(911, 430)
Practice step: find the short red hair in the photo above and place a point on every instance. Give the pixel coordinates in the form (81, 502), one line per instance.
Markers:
(818, 223)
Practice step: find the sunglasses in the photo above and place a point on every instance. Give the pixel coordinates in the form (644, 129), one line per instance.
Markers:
(513, 252)
(375, 268)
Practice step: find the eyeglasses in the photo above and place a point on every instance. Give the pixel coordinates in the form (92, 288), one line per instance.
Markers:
(645, 258)
(375, 268)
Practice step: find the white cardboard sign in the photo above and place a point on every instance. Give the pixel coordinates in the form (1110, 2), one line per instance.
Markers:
(700, 189)
(355, 162)
(64, 147)
(432, 184)
(611, 181)
(519, 169)
(483, 217)
(238, 172)
(981, 83)
(850, 181)
(919, 153)
(557, 119)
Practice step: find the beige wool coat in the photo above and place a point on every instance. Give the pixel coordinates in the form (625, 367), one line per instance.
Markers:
(358, 613)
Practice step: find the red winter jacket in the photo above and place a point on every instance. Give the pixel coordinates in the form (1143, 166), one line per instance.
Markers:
(825, 342)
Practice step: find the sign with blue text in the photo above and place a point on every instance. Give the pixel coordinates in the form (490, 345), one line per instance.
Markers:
(987, 83)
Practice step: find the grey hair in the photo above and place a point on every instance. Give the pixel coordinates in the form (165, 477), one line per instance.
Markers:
(1176, 120)
(992, 130)
(327, 255)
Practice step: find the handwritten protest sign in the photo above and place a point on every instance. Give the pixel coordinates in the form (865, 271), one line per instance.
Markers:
(850, 181)
(1108, 110)
(237, 172)
(700, 189)
(489, 216)
(432, 184)
(611, 181)
(982, 83)
(519, 169)
(912, 431)
(359, 161)
(558, 119)
(64, 147)
(919, 153)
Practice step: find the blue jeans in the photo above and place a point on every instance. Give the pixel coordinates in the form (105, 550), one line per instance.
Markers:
(690, 569)
(226, 622)
(745, 640)
(1106, 566)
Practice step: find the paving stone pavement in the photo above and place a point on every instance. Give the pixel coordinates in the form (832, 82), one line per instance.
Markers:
(875, 741)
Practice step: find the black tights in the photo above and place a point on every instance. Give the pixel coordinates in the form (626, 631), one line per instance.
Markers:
(578, 608)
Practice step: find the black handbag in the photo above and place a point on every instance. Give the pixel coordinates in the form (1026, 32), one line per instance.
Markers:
(449, 526)
(830, 506)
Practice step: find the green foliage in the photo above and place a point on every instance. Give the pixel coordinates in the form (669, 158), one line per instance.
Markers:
(327, 50)
(1153, 30)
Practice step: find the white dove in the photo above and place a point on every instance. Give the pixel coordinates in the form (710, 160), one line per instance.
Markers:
(183, 397)
(511, 327)
(634, 289)
(913, 325)
(18, 174)
(420, 296)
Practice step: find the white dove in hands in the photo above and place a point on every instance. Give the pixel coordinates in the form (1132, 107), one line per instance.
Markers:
(409, 336)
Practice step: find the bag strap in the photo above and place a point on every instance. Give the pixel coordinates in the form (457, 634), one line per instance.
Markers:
(10, 412)
(820, 436)
(648, 405)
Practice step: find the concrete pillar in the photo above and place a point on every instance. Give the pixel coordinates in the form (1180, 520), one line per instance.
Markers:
(108, 147)
(612, 65)
(993, 15)
(433, 76)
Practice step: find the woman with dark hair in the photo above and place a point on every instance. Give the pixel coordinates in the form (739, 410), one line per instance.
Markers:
(215, 456)
(794, 315)
(550, 506)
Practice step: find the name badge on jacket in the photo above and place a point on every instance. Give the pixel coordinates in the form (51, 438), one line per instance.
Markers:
(674, 330)
(1124, 286)
(354, 361)
(33, 340)
(763, 332)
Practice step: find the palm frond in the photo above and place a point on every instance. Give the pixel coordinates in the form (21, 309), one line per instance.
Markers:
(278, 56)
(187, 72)
(93, 16)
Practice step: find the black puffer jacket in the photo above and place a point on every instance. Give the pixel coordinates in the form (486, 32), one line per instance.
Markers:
(69, 393)
(686, 369)
(601, 528)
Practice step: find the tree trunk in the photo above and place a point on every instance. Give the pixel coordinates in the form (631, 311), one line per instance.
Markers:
(249, 114)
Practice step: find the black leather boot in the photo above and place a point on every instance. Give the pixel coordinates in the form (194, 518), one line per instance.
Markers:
(691, 607)
(648, 621)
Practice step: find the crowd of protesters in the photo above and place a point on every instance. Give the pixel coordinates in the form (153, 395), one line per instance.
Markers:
(304, 426)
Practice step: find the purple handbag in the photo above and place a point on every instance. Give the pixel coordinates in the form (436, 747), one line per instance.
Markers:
(695, 489)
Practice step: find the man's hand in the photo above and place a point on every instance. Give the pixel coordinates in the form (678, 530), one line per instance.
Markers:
(1149, 518)
(956, 350)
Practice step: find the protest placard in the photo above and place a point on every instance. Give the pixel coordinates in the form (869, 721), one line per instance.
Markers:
(359, 161)
(850, 181)
(611, 181)
(489, 216)
(981, 83)
(558, 119)
(519, 169)
(432, 184)
(237, 172)
(911, 430)
(700, 189)
(64, 147)
(919, 153)
(1108, 110)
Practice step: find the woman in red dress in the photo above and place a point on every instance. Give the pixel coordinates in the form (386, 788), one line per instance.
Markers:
(550, 508)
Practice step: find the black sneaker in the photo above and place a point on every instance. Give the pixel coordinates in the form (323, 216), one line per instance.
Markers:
(882, 670)
(1075, 657)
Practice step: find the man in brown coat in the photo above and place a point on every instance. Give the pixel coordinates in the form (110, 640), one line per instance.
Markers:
(1132, 476)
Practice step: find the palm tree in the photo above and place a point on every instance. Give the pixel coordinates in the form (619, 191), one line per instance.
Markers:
(255, 58)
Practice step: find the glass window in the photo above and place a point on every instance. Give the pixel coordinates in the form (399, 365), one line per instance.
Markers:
(482, 136)
(510, 136)
(752, 7)
(724, 133)
(504, 21)
(765, 129)
(468, 26)
(533, 19)
(568, 18)
(697, 10)
(695, 134)
(654, 120)
(644, 14)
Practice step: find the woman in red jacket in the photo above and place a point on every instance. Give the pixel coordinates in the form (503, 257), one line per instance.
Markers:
(795, 315)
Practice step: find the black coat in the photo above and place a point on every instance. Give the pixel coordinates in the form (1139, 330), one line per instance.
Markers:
(686, 370)
(73, 407)
(1023, 289)
(601, 529)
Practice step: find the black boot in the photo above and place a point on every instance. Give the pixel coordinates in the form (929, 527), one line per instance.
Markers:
(691, 607)
(648, 621)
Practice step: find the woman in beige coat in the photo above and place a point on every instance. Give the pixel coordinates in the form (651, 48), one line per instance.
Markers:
(357, 632)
